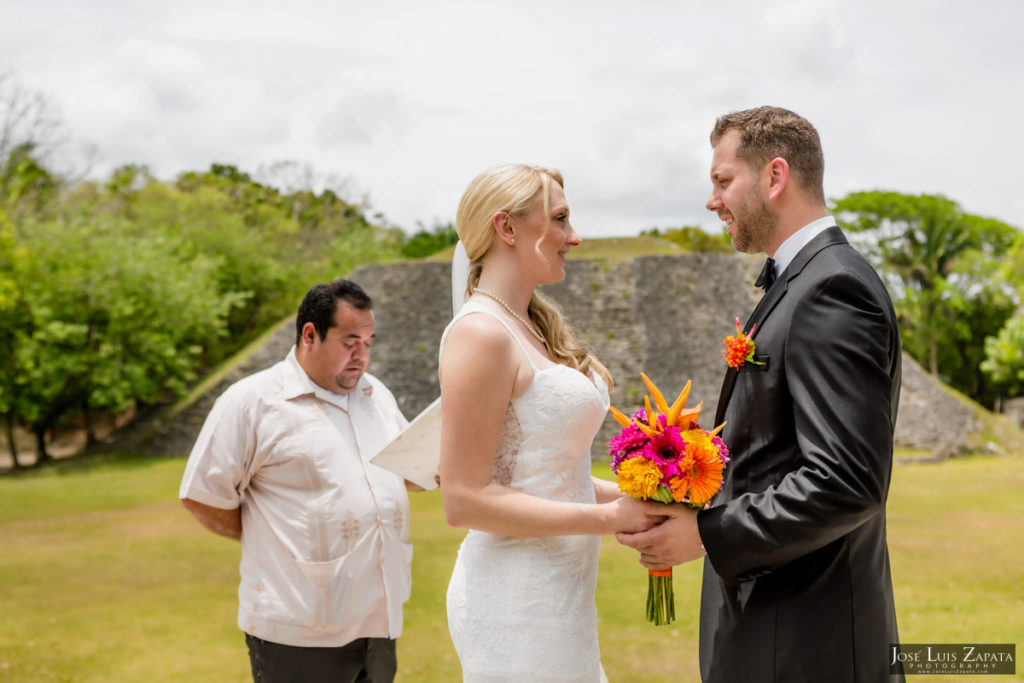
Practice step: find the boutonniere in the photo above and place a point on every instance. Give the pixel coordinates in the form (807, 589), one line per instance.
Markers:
(739, 349)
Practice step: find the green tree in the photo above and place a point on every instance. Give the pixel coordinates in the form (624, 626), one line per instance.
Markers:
(29, 132)
(24, 183)
(115, 320)
(939, 262)
(1004, 351)
(1004, 357)
(14, 317)
(426, 242)
(977, 309)
(117, 292)
(272, 245)
(694, 239)
(1011, 269)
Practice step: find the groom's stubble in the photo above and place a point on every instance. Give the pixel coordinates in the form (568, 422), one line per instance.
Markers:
(755, 223)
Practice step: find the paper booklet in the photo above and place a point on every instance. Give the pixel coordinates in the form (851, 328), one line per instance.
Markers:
(415, 454)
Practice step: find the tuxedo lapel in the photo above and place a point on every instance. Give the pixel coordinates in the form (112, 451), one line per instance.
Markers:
(761, 311)
(768, 302)
(723, 397)
(766, 305)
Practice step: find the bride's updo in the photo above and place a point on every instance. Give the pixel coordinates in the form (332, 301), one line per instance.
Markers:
(515, 188)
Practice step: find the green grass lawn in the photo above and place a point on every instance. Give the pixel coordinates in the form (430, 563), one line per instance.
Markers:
(104, 577)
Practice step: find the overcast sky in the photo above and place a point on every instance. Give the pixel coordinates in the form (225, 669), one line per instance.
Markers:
(407, 100)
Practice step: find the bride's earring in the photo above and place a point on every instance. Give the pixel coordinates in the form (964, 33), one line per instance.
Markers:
(503, 226)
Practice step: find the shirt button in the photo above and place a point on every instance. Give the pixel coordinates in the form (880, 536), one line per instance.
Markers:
(380, 522)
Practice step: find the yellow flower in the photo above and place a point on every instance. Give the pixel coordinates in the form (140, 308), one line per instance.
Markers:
(639, 478)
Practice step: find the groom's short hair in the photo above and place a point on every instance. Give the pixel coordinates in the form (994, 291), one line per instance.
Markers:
(769, 132)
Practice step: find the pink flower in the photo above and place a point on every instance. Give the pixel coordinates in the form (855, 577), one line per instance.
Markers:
(665, 450)
(723, 451)
(624, 443)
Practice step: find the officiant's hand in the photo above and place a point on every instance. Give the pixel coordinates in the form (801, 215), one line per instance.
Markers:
(629, 515)
(675, 541)
(409, 486)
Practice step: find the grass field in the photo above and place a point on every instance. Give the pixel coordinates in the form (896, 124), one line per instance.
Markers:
(104, 577)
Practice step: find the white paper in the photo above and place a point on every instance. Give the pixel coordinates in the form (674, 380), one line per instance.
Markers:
(415, 454)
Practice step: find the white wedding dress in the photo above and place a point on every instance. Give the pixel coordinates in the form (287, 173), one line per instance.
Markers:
(522, 609)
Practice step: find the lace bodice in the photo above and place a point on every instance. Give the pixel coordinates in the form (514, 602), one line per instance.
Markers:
(544, 444)
(522, 609)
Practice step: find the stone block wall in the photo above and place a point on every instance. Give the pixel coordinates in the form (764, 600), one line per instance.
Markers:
(663, 315)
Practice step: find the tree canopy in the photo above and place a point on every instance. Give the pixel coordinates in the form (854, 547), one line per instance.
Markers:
(694, 239)
(943, 268)
(118, 292)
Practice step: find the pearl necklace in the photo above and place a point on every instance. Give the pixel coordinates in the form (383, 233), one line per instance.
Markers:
(531, 328)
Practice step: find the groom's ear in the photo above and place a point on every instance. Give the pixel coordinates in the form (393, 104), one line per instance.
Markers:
(777, 171)
(502, 223)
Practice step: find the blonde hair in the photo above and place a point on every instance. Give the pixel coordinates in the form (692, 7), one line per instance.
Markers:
(514, 189)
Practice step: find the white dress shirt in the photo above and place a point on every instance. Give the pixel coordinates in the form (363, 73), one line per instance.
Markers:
(325, 552)
(788, 250)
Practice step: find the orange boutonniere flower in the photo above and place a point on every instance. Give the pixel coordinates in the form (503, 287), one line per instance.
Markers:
(739, 349)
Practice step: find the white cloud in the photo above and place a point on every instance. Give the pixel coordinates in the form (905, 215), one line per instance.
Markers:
(410, 100)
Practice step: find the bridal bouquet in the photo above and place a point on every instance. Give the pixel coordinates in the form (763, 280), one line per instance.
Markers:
(662, 454)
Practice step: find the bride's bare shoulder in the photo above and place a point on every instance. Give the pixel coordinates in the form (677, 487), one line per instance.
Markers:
(477, 334)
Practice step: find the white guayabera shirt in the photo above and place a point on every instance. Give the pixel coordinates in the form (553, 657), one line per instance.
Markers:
(325, 552)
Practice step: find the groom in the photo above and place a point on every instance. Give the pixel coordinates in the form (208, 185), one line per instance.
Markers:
(796, 576)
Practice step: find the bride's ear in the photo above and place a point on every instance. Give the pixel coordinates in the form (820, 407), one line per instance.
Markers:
(502, 223)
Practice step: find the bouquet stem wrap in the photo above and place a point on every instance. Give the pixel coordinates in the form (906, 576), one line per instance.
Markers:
(661, 600)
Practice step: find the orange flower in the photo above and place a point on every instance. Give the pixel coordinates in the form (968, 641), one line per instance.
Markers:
(701, 470)
(739, 349)
(676, 415)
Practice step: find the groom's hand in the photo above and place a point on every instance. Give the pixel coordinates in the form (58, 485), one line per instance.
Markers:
(674, 541)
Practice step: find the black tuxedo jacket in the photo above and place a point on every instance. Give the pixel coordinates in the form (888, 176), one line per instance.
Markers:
(796, 580)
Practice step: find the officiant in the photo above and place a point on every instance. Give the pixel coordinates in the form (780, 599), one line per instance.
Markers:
(283, 464)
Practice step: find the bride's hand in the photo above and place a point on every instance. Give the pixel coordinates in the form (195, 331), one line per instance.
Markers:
(633, 516)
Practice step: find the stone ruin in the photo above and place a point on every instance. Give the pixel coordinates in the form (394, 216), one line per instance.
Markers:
(665, 315)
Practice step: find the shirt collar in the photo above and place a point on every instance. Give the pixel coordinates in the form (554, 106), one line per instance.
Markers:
(298, 383)
(788, 250)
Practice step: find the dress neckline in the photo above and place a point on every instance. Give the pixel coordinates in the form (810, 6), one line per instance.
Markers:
(477, 307)
(591, 381)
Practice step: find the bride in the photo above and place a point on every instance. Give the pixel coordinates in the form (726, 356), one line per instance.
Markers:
(521, 402)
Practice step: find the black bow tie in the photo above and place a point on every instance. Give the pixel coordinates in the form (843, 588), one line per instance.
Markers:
(767, 276)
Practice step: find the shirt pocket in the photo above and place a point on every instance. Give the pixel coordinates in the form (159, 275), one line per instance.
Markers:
(759, 363)
(313, 595)
(333, 591)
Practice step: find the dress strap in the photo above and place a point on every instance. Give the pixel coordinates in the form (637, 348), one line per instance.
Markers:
(474, 307)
